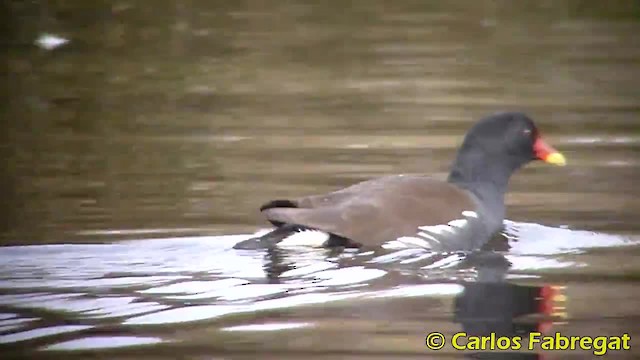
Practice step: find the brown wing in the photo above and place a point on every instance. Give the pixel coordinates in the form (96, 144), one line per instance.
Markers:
(378, 210)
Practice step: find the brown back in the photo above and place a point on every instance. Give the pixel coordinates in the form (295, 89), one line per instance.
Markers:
(379, 210)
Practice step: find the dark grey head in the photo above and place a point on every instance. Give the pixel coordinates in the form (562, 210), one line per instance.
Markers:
(498, 145)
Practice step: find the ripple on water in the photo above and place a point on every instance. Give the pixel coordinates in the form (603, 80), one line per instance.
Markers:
(163, 292)
(536, 239)
(244, 292)
(184, 314)
(420, 290)
(84, 283)
(41, 332)
(268, 327)
(124, 310)
(103, 342)
(303, 269)
(346, 276)
(14, 323)
(195, 287)
(5, 316)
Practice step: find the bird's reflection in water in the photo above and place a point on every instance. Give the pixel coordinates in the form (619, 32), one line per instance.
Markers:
(278, 261)
(491, 305)
(490, 302)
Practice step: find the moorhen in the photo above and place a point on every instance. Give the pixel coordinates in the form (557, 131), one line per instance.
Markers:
(401, 211)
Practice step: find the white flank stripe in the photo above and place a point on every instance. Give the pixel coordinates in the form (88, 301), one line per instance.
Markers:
(459, 223)
(468, 213)
(410, 240)
(428, 237)
(394, 245)
(437, 229)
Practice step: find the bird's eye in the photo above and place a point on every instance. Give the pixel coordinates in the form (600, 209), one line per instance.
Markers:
(526, 132)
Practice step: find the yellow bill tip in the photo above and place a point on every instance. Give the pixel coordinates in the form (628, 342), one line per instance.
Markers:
(556, 158)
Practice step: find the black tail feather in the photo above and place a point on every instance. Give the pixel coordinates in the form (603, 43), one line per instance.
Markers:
(269, 239)
(278, 204)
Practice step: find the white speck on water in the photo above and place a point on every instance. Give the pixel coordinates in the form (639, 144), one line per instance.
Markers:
(50, 41)
(459, 223)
